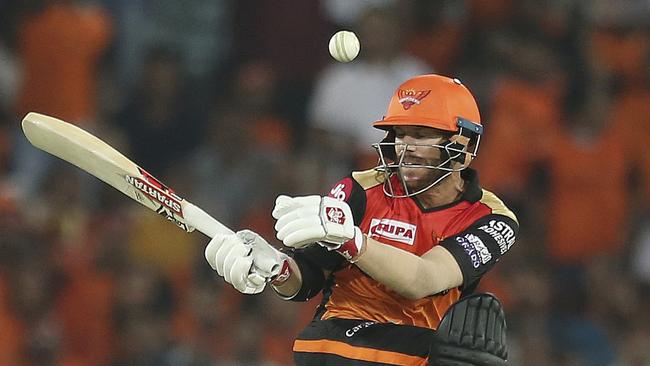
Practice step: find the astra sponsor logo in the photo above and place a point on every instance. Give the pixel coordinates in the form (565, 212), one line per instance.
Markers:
(501, 232)
(394, 230)
(165, 199)
(482, 250)
(352, 331)
(470, 250)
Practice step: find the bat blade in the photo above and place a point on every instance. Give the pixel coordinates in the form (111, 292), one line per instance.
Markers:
(80, 148)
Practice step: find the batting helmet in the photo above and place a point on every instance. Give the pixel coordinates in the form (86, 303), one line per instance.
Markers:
(437, 102)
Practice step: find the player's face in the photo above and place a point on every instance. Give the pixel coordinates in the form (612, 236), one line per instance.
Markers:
(415, 143)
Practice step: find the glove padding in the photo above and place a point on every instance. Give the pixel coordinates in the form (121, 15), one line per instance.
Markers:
(472, 332)
(245, 260)
(303, 221)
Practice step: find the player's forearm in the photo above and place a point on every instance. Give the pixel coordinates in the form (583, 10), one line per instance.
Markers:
(407, 274)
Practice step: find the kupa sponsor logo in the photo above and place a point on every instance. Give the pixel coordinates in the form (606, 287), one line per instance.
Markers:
(394, 230)
(501, 232)
(482, 250)
(155, 193)
(470, 250)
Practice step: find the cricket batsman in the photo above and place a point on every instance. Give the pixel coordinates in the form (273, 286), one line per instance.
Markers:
(397, 251)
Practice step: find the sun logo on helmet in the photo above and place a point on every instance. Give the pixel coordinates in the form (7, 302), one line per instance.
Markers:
(410, 97)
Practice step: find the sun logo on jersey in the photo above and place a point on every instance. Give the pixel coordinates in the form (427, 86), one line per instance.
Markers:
(410, 97)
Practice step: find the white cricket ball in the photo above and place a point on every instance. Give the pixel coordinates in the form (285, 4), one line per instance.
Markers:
(344, 46)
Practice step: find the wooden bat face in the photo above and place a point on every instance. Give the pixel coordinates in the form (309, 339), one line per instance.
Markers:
(80, 148)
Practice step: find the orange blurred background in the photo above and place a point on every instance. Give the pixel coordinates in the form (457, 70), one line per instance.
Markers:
(232, 103)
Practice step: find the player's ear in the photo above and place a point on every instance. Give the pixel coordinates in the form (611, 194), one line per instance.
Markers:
(457, 144)
(388, 151)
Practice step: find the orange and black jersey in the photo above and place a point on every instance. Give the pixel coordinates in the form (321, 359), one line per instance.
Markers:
(477, 230)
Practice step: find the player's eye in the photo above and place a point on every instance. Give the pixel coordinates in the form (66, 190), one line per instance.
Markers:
(423, 134)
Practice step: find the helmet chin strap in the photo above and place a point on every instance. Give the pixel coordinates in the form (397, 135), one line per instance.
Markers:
(392, 194)
(392, 169)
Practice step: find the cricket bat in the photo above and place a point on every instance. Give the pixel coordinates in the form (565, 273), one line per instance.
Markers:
(80, 148)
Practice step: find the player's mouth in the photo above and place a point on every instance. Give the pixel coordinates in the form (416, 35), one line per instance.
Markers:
(411, 169)
(414, 160)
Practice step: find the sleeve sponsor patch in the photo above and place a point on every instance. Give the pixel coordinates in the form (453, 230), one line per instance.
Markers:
(342, 190)
(481, 245)
(501, 232)
(349, 191)
(477, 251)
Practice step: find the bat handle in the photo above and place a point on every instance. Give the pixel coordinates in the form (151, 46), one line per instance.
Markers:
(206, 224)
(203, 222)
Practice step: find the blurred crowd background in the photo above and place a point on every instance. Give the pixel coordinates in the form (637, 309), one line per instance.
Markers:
(233, 102)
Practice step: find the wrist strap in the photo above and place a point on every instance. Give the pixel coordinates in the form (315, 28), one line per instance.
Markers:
(353, 248)
(283, 275)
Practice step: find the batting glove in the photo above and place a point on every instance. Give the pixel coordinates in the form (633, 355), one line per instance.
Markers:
(247, 261)
(302, 221)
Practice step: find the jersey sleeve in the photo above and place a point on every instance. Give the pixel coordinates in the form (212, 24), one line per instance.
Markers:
(351, 192)
(480, 246)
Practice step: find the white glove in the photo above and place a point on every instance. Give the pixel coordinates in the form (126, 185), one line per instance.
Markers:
(327, 221)
(246, 261)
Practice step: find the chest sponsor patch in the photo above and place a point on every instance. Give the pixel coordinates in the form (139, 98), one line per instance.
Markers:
(399, 231)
